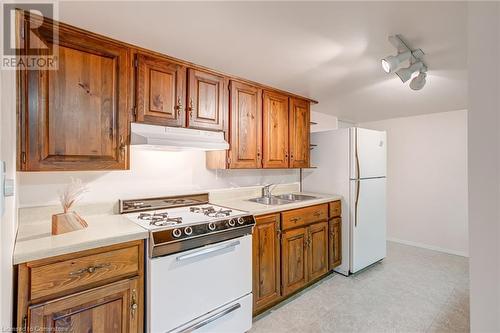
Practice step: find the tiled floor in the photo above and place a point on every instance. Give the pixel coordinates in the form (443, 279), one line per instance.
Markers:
(412, 290)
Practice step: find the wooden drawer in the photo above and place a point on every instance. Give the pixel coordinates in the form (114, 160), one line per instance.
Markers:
(82, 271)
(304, 216)
(335, 209)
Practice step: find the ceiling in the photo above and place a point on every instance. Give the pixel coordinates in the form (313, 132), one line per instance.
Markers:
(329, 51)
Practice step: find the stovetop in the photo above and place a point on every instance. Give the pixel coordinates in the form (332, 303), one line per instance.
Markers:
(183, 216)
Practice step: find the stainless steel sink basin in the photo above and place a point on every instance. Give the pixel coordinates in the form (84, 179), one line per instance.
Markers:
(270, 201)
(282, 199)
(294, 197)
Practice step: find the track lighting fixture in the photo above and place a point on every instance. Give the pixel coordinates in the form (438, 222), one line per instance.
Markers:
(391, 63)
(418, 81)
(406, 73)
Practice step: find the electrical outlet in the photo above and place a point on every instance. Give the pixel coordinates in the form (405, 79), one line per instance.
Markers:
(6, 187)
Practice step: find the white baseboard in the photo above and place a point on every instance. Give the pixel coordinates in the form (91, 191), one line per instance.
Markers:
(429, 247)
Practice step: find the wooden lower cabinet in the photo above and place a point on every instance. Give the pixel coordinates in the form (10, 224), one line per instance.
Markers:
(294, 253)
(293, 249)
(266, 261)
(97, 290)
(305, 256)
(112, 308)
(335, 243)
(318, 250)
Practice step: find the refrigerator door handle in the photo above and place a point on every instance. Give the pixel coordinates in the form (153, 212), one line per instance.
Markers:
(358, 185)
(356, 152)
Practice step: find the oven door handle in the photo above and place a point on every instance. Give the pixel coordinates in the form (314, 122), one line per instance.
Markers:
(210, 319)
(207, 250)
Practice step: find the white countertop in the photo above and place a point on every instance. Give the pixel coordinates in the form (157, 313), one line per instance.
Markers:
(34, 240)
(105, 227)
(256, 209)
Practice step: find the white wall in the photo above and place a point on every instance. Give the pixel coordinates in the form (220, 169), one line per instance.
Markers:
(8, 220)
(484, 163)
(427, 180)
(151, 173)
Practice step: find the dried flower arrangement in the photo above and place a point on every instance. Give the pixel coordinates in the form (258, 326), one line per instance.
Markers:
(69, 220)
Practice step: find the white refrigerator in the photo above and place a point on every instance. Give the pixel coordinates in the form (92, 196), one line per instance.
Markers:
(352, 162)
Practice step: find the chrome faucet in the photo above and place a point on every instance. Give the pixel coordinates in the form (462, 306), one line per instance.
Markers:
(266, 190)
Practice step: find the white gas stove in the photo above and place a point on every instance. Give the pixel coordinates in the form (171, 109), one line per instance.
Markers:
(199, 267)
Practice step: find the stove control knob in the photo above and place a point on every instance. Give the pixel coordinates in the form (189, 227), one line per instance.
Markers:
(211, 226)
(241, 220)
(188, 231)
(177, 233)
(232, 222)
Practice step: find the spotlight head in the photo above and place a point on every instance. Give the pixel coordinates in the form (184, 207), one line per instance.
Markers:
(418, 82)
(405, 73)
(390, 63)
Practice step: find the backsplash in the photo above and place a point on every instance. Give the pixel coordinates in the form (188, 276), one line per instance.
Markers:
(151, 173)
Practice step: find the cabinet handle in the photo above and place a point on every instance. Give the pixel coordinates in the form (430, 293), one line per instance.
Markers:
(133, 305)
(317, 214)
(295, 219)
(286, 154)
(179, 106)
(122, 147)
(191, 107)
(90, 269)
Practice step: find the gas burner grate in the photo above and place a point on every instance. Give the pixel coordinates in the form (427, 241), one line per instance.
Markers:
(211, 211)
(160, 219)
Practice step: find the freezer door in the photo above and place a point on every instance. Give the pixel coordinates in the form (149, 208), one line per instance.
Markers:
(368, 153)
(368, 222)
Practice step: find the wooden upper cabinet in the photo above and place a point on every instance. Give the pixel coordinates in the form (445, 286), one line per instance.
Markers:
(245, 132)
(266, 261)
(160, 91)
(75, 117)
(112, 308)
(299, 133)
(207, 100)
(275, 130)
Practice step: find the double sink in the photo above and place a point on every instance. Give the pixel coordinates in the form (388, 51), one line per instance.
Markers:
(282, 199)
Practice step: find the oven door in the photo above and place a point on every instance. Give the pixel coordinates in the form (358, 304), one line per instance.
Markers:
(192, 284)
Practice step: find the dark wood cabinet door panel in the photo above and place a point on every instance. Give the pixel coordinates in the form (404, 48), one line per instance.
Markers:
(266, 261)
(246, 126)
(207, 100)
(294, 260)
(160, 91)
(335, 243)
(275, 130)
(76, 117)
(299, 133)
(318, 250)
(101, 310)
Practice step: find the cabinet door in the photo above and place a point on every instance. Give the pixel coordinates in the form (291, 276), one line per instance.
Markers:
(317, 250)
(275, 130)
(207, 101)
(294, 260)
(160, 91)
(112, 308)
(266, 261)
(75, 117)
(245, 133)
(299, 133)
(335, 243)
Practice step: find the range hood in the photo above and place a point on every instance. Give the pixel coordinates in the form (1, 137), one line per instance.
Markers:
(175, 138)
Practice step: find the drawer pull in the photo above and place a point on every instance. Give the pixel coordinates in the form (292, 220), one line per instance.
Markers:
(317, 214)
(90, 269)
(296, 219)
